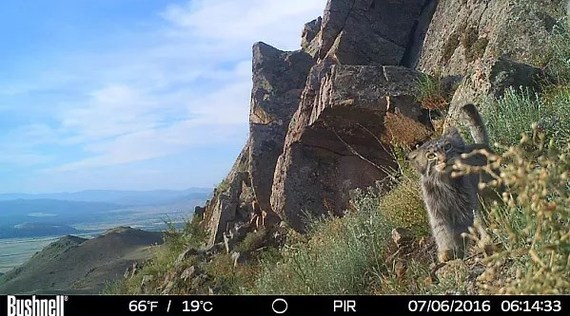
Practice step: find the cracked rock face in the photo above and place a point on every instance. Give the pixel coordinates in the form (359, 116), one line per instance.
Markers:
(464, 32)
(222, 210)
(492, 44)
(369, 32)
(278, 79)
(309, 37)
(319, 129)
(338, 138)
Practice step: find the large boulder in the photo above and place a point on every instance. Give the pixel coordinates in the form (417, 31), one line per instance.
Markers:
(463, 32)
(489, 80)
(339, 138)
(278, 79)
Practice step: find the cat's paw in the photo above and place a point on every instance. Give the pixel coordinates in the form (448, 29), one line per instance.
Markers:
(445, 255)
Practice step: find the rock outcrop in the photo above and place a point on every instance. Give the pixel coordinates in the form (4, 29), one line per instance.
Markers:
(463, 32)
(357, 101)
(223, 209)
(309, 39)
(339, 138)
(323, 119)
(278, 79)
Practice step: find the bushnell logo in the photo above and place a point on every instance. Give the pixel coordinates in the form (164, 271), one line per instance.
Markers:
(35, 306)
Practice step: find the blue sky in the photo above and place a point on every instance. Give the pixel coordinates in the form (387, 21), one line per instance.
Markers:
(131, 94)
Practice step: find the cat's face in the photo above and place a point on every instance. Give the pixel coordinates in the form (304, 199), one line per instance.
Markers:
(437, 156)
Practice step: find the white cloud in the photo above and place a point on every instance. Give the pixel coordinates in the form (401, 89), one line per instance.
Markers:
(184, 85)
(18, 146)
(22, 158)
(247, 20)
(109, 112)
(215, 118)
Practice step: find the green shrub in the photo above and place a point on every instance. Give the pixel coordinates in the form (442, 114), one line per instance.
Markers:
(342, 255)
(432, 93)
(227, 278)
(252, 241)
(511, 116)
(558, 65)
(557, 125)
(449, 47)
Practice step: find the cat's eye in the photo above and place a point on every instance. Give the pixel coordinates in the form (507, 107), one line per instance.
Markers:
(447, 147)
(431, 156)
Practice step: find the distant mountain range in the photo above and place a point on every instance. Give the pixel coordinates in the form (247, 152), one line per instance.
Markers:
(57, 214)
(125, 198)
(47, 217)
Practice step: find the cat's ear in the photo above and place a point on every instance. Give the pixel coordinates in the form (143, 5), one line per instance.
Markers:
(452, 133)
(417, 160)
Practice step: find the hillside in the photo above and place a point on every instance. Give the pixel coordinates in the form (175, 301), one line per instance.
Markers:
(322, 200)
(77, 265)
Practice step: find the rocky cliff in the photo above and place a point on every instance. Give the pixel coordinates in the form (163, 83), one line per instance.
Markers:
(323, 118)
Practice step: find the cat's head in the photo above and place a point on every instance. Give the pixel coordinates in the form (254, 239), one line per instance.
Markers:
(437, 156)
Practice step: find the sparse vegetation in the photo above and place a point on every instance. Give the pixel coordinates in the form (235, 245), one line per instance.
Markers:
(223, 186)
(520, 108)
(558, 55)
(149, 277)
(252, 241)
(532, 227)
(227, 278)
(340, 255)
(478, 48)
(434, 94)
(403, 206)
(516, 107)
(431, 93)
(473, 45)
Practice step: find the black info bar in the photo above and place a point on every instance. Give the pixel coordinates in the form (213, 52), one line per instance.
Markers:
(266, 305)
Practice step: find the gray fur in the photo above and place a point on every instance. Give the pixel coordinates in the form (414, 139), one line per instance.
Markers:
(476, 125)
(451, 202)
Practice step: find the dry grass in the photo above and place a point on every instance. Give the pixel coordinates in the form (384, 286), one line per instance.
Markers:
(531, 229)
(403, 206)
